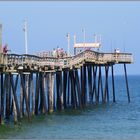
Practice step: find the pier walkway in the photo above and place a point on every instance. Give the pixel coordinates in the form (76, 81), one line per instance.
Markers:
(15, 62)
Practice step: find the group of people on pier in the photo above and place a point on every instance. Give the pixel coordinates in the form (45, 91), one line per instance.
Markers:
(56, 52)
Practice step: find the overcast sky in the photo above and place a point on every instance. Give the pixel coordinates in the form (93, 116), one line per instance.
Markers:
(49, 22)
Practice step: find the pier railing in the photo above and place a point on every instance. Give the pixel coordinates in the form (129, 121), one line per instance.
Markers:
(68, 62)
(101, 58)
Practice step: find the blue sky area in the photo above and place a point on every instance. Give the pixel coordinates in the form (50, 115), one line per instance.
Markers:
(49, 22)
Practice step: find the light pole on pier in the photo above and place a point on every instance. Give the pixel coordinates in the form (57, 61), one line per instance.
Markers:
(74, 44)
(25, 36)
(68, 39)
(84, 36)
(0, 38)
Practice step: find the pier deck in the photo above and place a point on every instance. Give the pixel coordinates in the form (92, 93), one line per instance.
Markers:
(17, 62)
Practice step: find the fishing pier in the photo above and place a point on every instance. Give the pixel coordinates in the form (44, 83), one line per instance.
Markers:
(31, 84)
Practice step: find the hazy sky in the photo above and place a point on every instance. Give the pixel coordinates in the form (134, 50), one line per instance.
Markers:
(49, 22)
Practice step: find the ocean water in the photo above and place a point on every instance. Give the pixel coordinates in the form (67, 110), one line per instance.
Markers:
(110, 121)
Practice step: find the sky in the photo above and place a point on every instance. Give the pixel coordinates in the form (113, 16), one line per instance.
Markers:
(49, 22)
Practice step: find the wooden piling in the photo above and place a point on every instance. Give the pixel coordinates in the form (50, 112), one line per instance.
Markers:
(32, 93)
(113, 83)
(59, 90)
(44, 93)
(68, 90)
(126, 81)
(78, 87)
(21, 100)
(100, 85)
(37, 94)
(2, 97)
(73, 92)
(15, 100)
(90, 82)
(41, 85)
(50, 92)
(94, 92)
(25, 95)
(27, 88)
(7, 88)
(106, 90)
(65, 88)
(83, 85)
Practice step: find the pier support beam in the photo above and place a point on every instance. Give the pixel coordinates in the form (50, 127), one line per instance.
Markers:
(15, 99)
(25, 95)
(90, 82)
(37, 94)
(126, 80)
(68, 89)
(83, 85)
(78, 87)
(100, 84)
(106, 90)
(22, 98)
(2, 96)
(73, 90)
(32, 93)
(113, 83)
(50, 81)
(59, 90)
(44, 93)
(7, 89)
(94, 84)
(65, 88)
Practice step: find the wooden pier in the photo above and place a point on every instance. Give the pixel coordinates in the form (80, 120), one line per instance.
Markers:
(31, 85)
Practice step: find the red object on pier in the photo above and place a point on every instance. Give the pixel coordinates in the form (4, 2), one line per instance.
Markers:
(5, 49)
